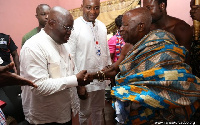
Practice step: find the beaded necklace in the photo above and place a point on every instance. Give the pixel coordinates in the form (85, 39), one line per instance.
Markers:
(94, 30)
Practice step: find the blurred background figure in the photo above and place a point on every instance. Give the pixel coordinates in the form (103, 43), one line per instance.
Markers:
(116, 42)
(42, 12)
(10, 94)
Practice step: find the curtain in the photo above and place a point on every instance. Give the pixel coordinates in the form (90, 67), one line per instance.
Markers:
(109, 10)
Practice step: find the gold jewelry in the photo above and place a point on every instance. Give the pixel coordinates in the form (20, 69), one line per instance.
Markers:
(98, 75)
(103, 76)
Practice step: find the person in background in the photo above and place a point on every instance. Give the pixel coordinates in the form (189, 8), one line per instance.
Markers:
(9, 79)
(195, 53)
(42, 12)
(8, 94)
(153, 82)
(195, 10)
(45, 61)
(161, 20)
(116, 42)
(7, 48)
(88, 45)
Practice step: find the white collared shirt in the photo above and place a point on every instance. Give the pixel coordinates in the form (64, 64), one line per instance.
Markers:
(49, 66)
(83, 47)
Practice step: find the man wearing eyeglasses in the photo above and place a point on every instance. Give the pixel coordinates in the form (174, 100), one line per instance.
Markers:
(42, 12)
(88, 45)
(45, 61)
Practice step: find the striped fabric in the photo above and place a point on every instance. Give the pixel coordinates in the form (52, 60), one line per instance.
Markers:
(2, 118)
(119, 44)
(154, 76)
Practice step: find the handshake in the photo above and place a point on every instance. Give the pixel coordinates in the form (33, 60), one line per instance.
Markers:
(84, 78)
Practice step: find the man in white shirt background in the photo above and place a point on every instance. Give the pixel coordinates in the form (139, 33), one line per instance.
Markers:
(88, 45)
(45, 61)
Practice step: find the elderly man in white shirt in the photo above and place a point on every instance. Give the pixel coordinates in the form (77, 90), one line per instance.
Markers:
(45, 61)
(88, 45)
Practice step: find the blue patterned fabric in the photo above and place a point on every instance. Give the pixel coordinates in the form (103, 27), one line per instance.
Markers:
(154, 75)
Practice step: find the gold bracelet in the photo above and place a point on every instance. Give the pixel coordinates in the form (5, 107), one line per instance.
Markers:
(103, 76)
(98, 75)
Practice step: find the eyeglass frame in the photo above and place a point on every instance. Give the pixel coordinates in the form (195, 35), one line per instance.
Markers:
(67, 28)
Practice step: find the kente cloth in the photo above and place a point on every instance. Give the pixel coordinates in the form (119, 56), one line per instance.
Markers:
(119, 45)
(155, 82)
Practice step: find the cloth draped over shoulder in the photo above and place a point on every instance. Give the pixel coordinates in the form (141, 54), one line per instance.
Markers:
(154, 76)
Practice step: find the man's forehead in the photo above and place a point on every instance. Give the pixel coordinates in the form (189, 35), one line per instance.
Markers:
(91, 2)
(43, 8)
(149, 1)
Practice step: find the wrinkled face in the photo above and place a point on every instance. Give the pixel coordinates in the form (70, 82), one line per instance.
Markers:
(62, 30)
(154, 8)
(129, 28)
(91, 10)
(42, 15)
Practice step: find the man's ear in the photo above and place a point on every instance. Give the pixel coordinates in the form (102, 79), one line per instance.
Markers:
(36, 16)
(51, 23)
(81, 7)
(163, 6)
(141, 27)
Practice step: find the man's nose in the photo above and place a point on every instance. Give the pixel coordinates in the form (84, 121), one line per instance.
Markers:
(121, 29)
(47, 16)
(92, 10)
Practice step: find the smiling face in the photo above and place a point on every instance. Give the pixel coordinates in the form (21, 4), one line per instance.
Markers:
(154, 8)
(129, 28)
(135, 24)
(91, 10)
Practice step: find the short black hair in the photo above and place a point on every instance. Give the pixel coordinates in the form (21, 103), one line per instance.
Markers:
(118, 20)
(162, 1)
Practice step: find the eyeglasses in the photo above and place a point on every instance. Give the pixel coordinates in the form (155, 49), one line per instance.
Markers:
(67, 28)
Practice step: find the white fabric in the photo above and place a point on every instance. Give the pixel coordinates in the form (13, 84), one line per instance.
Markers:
(94, 106)
(49, 66)
(82, 47)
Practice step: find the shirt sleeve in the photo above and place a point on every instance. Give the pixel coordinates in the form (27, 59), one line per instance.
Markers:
(34, 66)
(71, 44)
(112, 44)
(11, 45)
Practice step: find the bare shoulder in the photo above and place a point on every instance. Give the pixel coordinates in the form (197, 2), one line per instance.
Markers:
(179, 24)
(182, 31)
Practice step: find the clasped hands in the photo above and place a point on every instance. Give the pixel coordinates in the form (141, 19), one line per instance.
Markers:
(84, 78)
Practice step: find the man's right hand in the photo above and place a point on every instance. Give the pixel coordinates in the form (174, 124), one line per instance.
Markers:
(81, 78)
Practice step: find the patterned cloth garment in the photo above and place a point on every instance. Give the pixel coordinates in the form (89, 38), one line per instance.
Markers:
(154, 83)
(2, 118)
